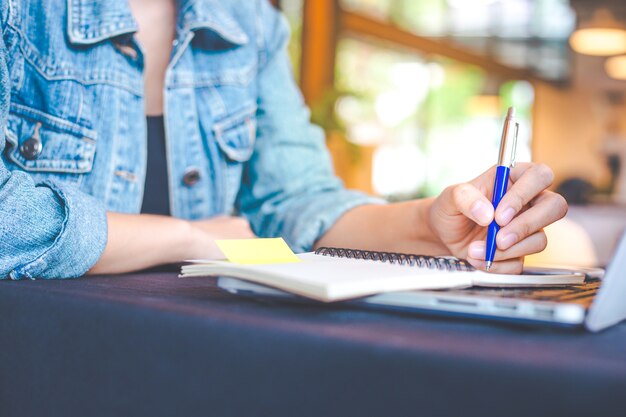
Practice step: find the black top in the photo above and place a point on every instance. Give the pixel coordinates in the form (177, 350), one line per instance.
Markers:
(156, 192)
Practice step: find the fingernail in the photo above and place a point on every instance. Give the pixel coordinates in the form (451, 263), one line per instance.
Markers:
(482, 212)
(508, 240)
(507, 216)
(477, 251)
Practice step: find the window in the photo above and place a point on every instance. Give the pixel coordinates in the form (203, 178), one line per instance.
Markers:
(419, 88)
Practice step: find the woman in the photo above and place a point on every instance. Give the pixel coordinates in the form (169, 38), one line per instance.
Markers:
(83, 83)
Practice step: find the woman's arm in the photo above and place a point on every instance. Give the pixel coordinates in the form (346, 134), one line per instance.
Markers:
(138, 241)
(455, 222)
(400, 227)
(141, 241)
(289, 188)
(48, 230)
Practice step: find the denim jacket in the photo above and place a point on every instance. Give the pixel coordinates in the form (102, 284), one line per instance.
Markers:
(73, 129)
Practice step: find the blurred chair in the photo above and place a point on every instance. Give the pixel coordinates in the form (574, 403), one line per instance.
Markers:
(576, 191)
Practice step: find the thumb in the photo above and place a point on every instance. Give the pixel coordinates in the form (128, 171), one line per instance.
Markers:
(466, 199)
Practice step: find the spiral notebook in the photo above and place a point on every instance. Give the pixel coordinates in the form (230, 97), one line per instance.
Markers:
(334, 274)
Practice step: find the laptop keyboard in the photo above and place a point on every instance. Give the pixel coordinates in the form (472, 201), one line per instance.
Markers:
(579, 294)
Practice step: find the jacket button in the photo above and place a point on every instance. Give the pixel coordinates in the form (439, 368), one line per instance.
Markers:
(191, 177)
(31, 148)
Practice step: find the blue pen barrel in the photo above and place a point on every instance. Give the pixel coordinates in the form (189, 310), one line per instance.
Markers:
(491, 239)
(499, 188)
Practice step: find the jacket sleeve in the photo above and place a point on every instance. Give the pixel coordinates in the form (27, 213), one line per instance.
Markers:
(289, 188)
(47, 230)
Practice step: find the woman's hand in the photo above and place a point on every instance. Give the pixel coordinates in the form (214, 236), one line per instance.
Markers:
(206, 232)
(460, 215)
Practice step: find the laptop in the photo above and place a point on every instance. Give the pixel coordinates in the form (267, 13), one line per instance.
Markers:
(597, 304)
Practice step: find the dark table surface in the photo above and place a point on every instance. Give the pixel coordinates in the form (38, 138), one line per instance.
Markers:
(151, 344)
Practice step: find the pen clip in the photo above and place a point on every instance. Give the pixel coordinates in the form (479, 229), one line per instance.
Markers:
(514, 147)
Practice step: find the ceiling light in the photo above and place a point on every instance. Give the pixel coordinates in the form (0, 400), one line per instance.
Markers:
(601, 36)
(616, 67)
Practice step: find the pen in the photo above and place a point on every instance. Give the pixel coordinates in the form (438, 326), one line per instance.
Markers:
(506, 161)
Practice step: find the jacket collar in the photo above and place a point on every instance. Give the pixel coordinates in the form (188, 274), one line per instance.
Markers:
(92, 21)
(211, 16)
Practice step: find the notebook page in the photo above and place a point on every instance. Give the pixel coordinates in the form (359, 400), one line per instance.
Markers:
(329, 279)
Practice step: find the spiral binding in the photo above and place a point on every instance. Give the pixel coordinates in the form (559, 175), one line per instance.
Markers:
(421, 261)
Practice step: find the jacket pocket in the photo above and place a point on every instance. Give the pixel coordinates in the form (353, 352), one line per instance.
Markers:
(236, 134)
(44, 143)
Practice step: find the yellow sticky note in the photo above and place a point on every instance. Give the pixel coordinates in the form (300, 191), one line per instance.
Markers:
(257, 251)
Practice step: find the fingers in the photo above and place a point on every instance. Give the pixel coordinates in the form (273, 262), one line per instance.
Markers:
(532, 244)
(511, 266)
(471, 202)
(528, 181)
(508, 261)
(547, 208)
(519, 170)
(525, 209)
